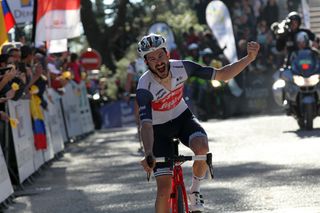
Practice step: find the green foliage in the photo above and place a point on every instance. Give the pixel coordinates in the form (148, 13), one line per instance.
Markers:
(179, 15)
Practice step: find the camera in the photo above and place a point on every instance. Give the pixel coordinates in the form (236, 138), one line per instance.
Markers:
(281, 28)
(3, 70)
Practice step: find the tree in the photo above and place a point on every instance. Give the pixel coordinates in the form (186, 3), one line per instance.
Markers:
(128, 22)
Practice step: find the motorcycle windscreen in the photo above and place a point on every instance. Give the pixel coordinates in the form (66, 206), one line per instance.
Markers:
(305, 63)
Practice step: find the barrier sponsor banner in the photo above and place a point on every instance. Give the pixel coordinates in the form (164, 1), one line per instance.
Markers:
(5, 183)
(23, 138)
(48, 153)
(219, 21)
(55, 123)
(71, 111)
(118, 114)
(85, 110)
(57, 101)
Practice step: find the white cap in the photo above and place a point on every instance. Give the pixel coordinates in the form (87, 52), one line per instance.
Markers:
(193, 46)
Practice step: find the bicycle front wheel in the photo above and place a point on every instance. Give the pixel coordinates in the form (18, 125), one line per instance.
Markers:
(180, 202)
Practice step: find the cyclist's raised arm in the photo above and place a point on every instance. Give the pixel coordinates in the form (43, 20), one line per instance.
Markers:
(231, 70)
(197, 70)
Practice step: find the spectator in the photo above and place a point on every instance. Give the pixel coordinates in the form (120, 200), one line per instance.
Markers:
(270, 12)
(192, 37)
(75, 67)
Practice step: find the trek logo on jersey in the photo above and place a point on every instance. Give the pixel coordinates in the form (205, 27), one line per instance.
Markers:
(168, 102)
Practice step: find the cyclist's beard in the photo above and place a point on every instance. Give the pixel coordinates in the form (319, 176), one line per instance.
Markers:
(161, 71)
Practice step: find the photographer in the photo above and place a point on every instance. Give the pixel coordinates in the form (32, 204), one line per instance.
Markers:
(286, 32)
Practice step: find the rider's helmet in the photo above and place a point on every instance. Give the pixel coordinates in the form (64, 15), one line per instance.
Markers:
(294, 16)
(302, 39)
(150, 43)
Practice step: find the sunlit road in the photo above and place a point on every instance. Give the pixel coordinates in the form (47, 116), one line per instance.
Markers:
(262, 164)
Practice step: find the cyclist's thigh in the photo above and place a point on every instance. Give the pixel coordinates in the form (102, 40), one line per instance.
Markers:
(190, 129)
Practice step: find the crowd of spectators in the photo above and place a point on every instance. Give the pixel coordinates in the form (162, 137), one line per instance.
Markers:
(26, 72)
(252, 20)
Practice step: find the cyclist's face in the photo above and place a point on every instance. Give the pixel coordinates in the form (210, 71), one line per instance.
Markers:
(158, 62)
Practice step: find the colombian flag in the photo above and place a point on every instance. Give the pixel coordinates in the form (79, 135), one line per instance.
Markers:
(38, 126)
(3, 32)
(8, 17)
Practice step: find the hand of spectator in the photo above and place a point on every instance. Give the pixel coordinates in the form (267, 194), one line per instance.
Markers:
(22, 76)
(8, 76)
(253, 50)
(29, 71)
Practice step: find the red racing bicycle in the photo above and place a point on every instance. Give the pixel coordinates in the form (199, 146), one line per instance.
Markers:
(178, 198)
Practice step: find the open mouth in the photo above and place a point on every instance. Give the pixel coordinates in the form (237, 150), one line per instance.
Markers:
(161, 69)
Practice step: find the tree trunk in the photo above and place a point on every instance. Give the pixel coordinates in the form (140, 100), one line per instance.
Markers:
(95, 37)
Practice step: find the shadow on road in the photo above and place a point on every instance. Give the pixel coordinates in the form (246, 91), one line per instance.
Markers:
(306, 133)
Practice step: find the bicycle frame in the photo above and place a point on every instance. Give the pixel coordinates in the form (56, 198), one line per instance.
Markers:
(177, 180)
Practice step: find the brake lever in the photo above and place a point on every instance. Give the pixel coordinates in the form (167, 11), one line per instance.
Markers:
(149, 162)
(209, 163)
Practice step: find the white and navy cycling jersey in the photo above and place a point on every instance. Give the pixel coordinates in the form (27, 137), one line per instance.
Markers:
(160, 105)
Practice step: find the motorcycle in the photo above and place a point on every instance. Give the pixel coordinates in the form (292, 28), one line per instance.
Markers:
(298, 88)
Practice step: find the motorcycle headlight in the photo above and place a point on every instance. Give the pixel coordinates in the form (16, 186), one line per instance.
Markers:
(280, 83)
(96, 96)
(306, 82)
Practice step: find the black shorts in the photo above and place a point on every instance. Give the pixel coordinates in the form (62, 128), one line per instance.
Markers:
(184, 127)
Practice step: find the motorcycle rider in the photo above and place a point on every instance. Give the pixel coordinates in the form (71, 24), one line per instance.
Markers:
(303, 62)
(286, 33)
(303, 43)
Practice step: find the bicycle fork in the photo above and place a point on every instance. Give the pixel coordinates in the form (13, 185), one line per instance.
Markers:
(176, 196)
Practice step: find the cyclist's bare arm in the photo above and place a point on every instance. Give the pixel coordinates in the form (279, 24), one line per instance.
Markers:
(147, 137)
(225, 73)
(231, 70)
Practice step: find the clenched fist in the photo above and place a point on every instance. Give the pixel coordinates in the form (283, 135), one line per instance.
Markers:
(253, 50)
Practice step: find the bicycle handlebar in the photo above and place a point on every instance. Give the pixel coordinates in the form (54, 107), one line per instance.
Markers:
(182, 158)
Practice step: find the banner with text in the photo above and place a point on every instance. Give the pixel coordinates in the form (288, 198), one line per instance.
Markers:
(118, 114)
(5, 183)
(219, 21)
(22, 10)
(23, 138)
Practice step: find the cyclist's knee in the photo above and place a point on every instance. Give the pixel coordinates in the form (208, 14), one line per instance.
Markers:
(199, 145)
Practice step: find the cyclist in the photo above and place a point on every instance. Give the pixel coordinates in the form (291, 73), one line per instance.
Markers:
(165, 115)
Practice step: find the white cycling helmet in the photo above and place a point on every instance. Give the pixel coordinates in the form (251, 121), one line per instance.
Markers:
(150, 43)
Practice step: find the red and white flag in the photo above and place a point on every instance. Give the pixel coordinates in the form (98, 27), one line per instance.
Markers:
(57, 19)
